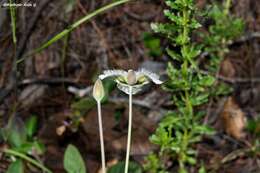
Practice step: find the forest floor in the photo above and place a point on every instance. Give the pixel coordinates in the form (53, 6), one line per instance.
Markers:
(115, 40)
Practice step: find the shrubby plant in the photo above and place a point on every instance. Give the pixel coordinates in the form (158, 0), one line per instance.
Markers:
(224, 30)
(189, 85)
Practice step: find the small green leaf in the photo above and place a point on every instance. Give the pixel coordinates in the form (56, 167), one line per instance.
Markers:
(31, 126)
(84, 104)
(202, 169)
(119, 168)
(25, 148)
(39, 147)
(73, 162)
(207, 80)
(16, 167)
(173, 54)
(152, 43)
(191, 160)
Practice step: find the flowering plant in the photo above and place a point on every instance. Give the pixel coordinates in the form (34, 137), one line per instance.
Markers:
(131, 82)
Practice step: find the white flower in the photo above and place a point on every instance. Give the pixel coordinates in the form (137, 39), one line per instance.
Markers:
(131, 79)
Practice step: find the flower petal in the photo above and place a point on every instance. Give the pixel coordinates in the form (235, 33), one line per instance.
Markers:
(111, 73)
(152, 76)
(125, 88)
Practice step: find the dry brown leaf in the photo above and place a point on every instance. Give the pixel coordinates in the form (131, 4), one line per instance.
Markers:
(109, 164)
(227, 68)
(233, 118)
(31, 95)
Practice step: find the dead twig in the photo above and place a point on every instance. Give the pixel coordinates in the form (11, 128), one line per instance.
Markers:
(49, 81)
(247, 37)
(234, 80)
(141, 18)
(22, 44)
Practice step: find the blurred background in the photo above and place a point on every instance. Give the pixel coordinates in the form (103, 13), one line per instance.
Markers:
(120, 38)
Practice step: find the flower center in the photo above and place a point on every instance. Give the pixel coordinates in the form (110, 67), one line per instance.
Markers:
(131, 77)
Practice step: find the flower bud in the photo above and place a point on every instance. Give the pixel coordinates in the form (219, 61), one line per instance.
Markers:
(98, 90)
(131, 77)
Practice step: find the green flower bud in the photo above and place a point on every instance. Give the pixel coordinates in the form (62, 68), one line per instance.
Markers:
(98, 90)
(131, 77)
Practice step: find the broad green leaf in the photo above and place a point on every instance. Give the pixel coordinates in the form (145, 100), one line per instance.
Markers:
(73, 162)
(15, 132)
(16, 167)
(119, 168)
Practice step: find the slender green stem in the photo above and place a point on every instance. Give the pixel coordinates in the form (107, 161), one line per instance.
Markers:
(129, 130)
(227, 6)
(64, 54)
(101, 138)
(13, 21)
(23, 156)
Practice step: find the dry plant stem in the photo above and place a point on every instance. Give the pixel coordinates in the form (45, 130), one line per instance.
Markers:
(129, 130)
(101, 138)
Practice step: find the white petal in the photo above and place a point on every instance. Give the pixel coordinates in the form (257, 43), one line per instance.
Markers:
(111, 73)
(125, 88)
(152, 76)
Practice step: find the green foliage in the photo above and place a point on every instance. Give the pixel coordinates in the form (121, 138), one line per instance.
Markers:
(180, 130)
(223, 31)
(154, 164)
(16, 167)
(73, 162)
(31, 126)
(253, 126)
(20, 137)
(15, 132)
(119, 168)
(153, 44)
(202, 169)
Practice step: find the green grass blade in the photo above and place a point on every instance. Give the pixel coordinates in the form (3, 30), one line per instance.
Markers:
(13, 21)
(75, 25)
(27, 158)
